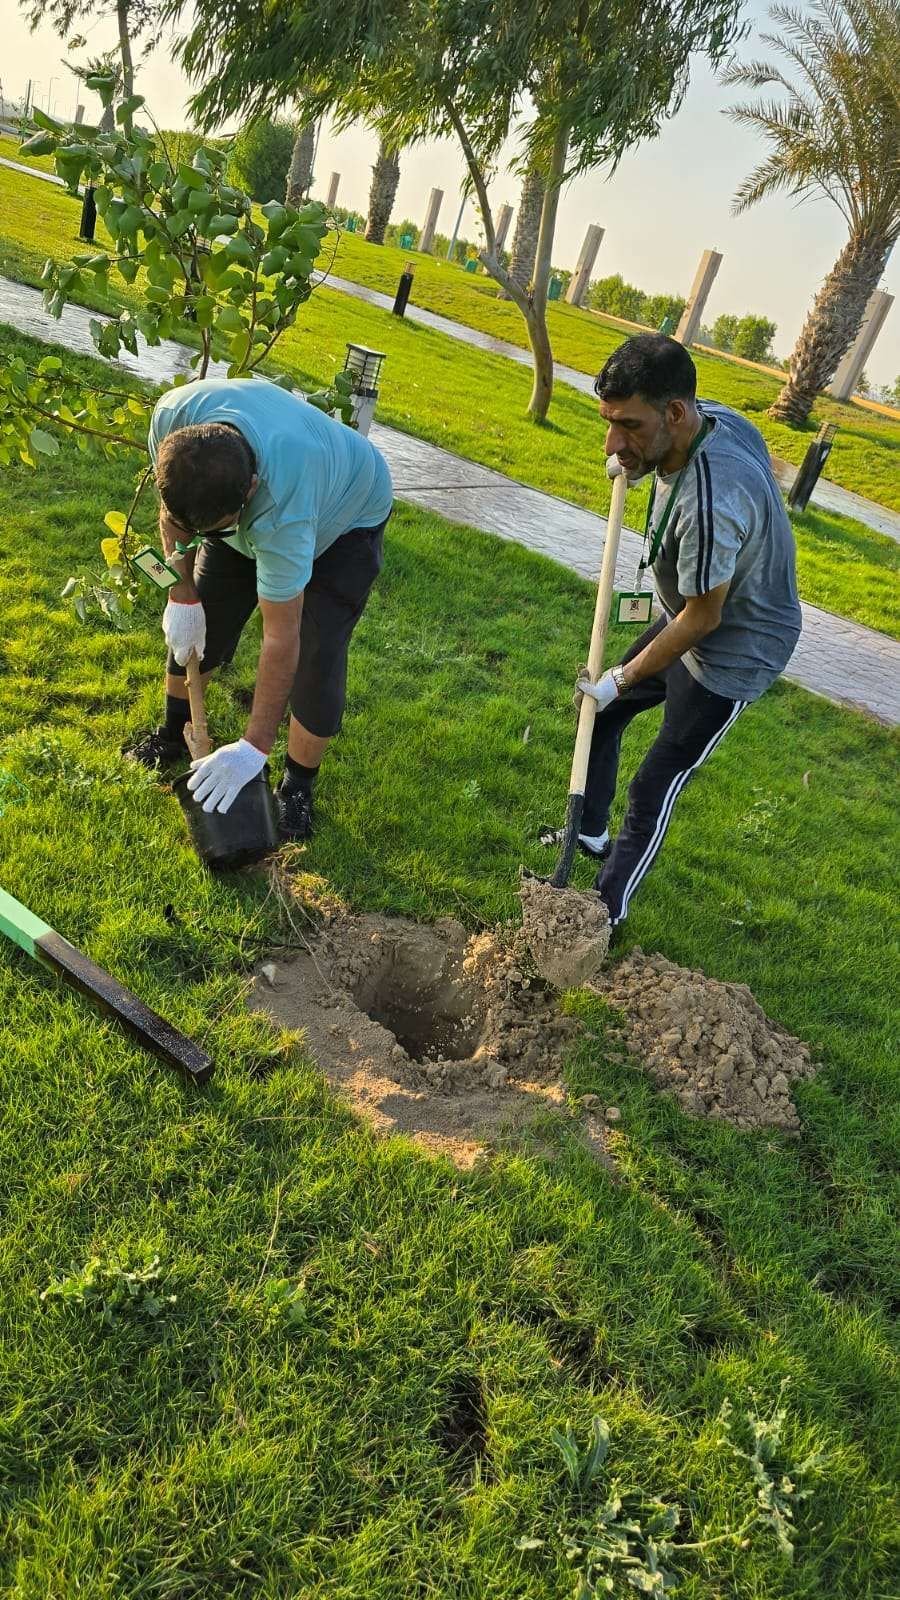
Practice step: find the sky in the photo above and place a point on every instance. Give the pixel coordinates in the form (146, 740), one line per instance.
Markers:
(669, 200)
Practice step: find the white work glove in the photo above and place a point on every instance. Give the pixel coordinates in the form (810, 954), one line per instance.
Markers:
(218, 779)
(184, 628)
(604, 691)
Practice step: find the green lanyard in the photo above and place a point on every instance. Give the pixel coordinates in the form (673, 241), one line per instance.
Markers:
(657, 537)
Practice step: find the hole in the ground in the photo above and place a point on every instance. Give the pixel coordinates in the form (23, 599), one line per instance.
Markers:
(429, 1014)
(462, 1429)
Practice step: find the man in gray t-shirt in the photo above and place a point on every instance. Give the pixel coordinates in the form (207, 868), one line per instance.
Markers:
(720, 547)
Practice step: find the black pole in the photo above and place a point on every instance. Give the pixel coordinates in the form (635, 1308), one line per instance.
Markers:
(403, 288)
(88, 216)
(811, 469)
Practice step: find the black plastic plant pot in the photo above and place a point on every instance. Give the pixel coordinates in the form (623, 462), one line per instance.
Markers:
(246, 832)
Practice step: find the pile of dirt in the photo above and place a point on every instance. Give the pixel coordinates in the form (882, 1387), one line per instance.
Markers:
(707, 1042)
(425, 1029)
(566, 931)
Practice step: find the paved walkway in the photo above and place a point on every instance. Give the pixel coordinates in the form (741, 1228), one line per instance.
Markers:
(844, 661)
(830, 496)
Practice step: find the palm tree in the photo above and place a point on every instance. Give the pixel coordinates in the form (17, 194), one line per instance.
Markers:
(837, 134)
(528, 227)
(385, 178)
(300, 173)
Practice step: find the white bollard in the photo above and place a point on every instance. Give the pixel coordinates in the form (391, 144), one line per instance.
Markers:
(848, 374)
(581, 277)
(710, 262)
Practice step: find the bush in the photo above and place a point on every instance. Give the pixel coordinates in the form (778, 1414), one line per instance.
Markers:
(753, 337)
(619, 298)
(658, 307)
(260, 158)
(748, 336)
(181, 144)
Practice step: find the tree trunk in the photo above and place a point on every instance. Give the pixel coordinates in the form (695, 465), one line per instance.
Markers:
(300, 175)
(528, 227)
(125, 49)
(832, 324)
(539, 338)
(385, 178)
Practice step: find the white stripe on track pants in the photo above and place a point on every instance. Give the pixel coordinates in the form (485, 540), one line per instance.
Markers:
(695, 722)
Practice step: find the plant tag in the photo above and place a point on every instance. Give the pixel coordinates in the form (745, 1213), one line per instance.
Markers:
(154, 567)
(634, 607)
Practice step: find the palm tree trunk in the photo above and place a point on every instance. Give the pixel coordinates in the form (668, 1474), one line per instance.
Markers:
(299, 176)
(385, 178)
(528, 227)
(125, 49)
(832, 324)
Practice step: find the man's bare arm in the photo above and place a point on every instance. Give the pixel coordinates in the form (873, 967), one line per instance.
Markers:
(277, 669)
(701, 615)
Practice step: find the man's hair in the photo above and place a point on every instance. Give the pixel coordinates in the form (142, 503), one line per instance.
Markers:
(654, 368)
(203, 473)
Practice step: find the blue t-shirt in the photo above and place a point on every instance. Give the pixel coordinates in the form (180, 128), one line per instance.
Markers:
(317, 477)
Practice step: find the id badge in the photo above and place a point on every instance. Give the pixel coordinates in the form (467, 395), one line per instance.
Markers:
(154, 567)
(635, 607)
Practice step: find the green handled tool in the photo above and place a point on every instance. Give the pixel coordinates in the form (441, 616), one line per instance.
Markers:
(45, 945)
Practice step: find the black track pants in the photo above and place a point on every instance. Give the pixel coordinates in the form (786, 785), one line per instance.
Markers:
(695, 722)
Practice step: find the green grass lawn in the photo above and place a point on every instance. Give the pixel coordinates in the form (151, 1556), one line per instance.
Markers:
(396, 1442)
(474, 404)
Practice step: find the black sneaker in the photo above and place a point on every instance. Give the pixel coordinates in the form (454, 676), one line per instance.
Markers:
(296, 813)
(554, 836)
(157, 749)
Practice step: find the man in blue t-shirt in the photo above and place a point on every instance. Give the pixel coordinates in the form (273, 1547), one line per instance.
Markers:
(288, 509)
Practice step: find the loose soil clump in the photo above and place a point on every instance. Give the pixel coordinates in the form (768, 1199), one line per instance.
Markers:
(566, 930)
(707, 1042)
(425, 1029)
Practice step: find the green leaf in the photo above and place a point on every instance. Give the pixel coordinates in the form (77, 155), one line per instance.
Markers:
(49, 364)
(128, 108)
(128, 268)
(50, 123)
(200, 201)
(43, 442)
(191, 178)
(40, 144)
(240, 347)
(274, 260)
(130, 220)
(237, 249)
(230, 320)
(179, 222)
(222, 222)
(157, 174)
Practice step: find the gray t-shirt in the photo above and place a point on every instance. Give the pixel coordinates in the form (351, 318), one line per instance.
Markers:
(729, 524)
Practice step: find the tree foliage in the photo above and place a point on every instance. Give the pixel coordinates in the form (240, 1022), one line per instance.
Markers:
(593, 78)
(620, 299)
(185, 240)
(835, 132)
(260, 157)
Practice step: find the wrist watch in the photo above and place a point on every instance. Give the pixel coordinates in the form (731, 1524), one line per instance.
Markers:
(618, 676)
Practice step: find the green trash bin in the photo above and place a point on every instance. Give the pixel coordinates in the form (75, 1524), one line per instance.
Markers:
(351, 225)
(406, 240)
(555, 289)
(471, 264)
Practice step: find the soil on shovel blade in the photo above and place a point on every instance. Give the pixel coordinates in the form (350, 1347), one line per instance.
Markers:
(567, 932)
(427, 1030)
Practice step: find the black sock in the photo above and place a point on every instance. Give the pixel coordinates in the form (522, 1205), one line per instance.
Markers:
(297, 776)
(178, 715)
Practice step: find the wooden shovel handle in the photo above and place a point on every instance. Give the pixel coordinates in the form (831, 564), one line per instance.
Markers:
(598, 632)
(195, 735)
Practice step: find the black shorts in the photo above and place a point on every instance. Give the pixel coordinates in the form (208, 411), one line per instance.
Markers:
(333, 602)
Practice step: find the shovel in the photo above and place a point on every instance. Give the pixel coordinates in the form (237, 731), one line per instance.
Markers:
(245, 832)
(568, 932)
(575, 805)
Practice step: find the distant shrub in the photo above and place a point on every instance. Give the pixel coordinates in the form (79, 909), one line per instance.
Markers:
(260, 158)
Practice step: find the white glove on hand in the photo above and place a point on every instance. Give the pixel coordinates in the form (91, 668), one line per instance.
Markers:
(218, 779)
(604, 691)
(184, 628)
